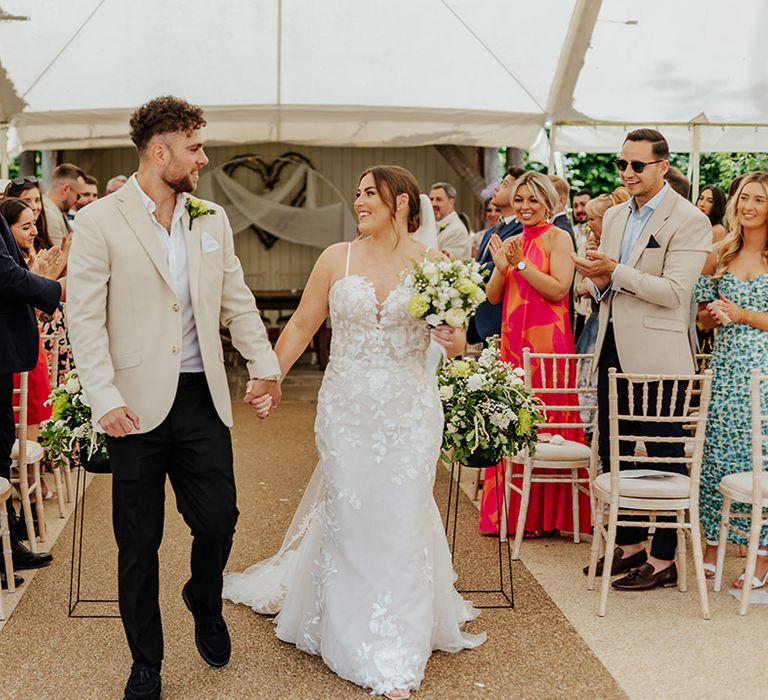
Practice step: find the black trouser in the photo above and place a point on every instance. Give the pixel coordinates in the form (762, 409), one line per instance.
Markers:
(193, 447)
(665, 539)
(7, 438)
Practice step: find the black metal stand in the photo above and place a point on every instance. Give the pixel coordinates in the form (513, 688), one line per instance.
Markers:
(77, 558)
(507, 594)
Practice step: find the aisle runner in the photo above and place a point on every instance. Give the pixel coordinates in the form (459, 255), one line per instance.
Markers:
(531, 651)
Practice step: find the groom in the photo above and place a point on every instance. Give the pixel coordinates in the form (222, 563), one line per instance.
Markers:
(152, 276)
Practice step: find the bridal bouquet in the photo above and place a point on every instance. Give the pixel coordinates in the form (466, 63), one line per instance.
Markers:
(445, 291)
(70, 422)
(488, 411)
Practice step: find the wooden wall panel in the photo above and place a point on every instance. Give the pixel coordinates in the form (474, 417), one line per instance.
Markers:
(287, 265)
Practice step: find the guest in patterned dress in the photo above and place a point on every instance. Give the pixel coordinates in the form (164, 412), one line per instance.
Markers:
(733, 297)
(533, 277)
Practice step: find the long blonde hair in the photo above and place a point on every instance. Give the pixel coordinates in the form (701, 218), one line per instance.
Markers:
(734, 239)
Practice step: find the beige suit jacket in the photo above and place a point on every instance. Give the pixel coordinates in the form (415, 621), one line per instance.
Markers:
(54, 218)
(650, 296)
(125, 319)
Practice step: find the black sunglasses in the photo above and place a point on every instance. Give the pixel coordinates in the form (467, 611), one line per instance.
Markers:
(637, 165)
(31, 179)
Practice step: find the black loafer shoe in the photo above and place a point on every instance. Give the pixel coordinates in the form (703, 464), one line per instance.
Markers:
(211, 634)
(24, 558)
(620, 564)
(143, 683)
(17, 580)
(646, 578)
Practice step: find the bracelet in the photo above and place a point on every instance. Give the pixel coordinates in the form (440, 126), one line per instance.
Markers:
(742, 318)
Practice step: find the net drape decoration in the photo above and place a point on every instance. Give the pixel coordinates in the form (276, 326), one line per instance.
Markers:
(312, 225)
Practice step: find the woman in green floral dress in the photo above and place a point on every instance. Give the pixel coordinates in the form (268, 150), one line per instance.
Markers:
(733, 296)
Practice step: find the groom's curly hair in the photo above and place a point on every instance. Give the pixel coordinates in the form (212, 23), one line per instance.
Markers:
(164, 115)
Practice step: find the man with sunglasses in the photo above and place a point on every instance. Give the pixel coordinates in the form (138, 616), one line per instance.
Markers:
(651, 252)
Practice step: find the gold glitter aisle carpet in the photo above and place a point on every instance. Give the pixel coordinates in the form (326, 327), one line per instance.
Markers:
(531, 652)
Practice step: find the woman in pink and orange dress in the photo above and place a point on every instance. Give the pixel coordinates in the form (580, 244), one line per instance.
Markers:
(533, 277)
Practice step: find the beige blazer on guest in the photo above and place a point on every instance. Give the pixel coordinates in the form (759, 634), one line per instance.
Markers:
(650, 297)
(125, 318)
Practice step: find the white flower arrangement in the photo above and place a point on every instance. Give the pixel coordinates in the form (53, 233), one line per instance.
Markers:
(70, 422)
(445, 291)
(487, 408)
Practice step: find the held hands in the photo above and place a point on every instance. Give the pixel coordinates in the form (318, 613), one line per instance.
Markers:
(119, 422)
(264, 395)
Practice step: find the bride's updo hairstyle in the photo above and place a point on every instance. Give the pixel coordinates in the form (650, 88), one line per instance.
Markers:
(391, 181)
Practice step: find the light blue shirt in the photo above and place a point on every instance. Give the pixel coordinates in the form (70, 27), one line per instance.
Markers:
(636, 222)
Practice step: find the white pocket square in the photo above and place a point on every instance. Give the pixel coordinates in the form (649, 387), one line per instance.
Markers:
(208, 243)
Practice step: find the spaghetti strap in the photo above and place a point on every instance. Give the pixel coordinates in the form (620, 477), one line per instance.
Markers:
(349, 251)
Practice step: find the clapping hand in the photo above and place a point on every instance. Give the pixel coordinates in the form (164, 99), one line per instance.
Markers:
(597, 266)
(498, 250)
(515, 251)
(49, 263)
(264, 395)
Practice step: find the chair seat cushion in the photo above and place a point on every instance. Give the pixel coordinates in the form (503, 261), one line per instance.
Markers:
(738, 487)
(34, 452)
(647, 483)
(561, 450)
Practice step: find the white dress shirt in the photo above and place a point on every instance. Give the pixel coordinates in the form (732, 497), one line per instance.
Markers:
(175, 249)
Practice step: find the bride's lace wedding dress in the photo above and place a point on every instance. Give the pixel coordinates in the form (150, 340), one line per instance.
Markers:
(364, 577)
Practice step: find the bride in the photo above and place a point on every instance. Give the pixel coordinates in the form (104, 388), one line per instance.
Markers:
(364, 577)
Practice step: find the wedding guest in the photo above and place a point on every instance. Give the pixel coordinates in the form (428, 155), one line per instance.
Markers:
(20, 291)
(678, 181)
(21, 220)
(452, 234)
(595, 210)
(491, 214)
(711, 201)
(651, 252)
(733, 297)
(89, 194)
(115, 183)
(560, 219)
(581, 305)
(28, 189)
(486, 322)
(532, 277)
(67, 184)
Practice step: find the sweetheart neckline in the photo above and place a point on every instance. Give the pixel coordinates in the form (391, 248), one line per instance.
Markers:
(379, 304)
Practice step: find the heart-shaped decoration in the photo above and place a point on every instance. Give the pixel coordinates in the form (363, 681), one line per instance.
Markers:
(271, 172)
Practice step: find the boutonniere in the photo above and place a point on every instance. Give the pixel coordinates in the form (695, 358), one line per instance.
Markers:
(442, 228)
(195, 208)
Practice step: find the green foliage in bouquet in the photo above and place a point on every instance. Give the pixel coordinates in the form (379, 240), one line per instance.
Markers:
(487, 408)
(70, 422)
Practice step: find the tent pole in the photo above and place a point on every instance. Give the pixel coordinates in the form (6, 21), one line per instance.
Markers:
(696, 160)
(552, 141)
(4, 151)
